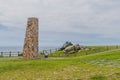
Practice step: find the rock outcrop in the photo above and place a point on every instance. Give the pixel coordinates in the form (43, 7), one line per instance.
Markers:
(73, 49)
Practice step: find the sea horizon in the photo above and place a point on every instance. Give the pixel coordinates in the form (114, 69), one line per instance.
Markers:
(19, 48)
(15, 49)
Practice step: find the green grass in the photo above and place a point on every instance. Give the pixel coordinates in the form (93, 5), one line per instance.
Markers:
(91, 50)
(101, 66)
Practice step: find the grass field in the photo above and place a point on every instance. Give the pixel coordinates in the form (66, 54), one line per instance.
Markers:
(91, 50)
(99, 66)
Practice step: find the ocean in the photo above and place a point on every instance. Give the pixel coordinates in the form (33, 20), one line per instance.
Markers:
(15, 50)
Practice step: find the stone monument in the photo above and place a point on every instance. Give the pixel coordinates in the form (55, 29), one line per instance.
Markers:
(31, 49)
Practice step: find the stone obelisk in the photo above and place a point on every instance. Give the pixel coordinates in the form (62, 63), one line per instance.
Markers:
(31, 48)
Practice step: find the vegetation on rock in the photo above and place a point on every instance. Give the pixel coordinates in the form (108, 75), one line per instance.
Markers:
(66, 44)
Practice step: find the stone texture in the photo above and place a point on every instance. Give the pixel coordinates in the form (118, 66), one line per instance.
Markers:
(74, 49)
(70, 49)
(30, 50)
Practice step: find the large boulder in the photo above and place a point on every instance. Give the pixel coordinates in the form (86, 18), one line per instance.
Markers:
(70, 49)
(74, 49)
(77, 47)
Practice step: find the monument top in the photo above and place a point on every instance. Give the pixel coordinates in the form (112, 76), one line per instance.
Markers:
(32, 18)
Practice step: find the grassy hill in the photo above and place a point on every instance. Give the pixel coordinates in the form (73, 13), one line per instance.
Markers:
(99, 66)
(90, 50)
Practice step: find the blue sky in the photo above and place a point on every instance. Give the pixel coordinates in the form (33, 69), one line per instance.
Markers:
(87, 22)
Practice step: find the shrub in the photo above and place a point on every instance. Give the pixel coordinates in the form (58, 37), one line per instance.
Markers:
(66, 44)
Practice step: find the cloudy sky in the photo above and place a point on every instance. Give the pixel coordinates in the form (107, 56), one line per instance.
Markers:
(87, 22)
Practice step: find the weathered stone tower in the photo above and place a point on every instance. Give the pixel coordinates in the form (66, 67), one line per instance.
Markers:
(30, 50)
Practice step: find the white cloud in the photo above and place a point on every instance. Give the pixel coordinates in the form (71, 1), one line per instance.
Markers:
(81, 16)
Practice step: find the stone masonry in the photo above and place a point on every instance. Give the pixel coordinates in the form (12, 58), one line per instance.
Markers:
(31, 49)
